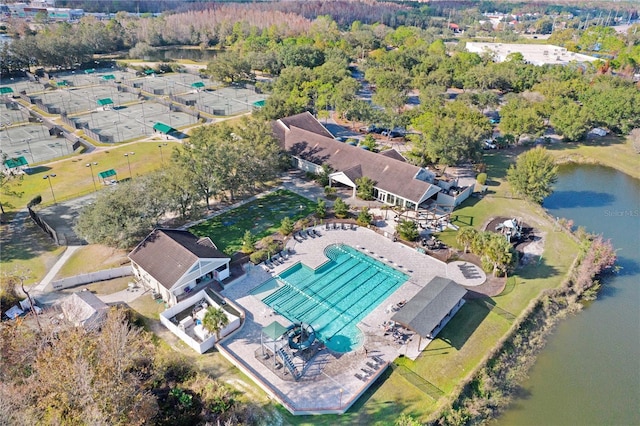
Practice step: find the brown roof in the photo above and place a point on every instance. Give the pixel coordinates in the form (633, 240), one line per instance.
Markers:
(390, 174)
(306, 121)
(392, 153)
(167, 254)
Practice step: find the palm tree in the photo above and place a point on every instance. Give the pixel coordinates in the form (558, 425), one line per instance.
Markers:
(466, 236)
(215, 320)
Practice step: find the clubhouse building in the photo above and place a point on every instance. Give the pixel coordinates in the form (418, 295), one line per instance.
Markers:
(396, 182)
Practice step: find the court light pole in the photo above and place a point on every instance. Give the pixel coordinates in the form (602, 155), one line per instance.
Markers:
(49, 177)
(127, 155)
(30, 151)
(93, 178)
(161, 154)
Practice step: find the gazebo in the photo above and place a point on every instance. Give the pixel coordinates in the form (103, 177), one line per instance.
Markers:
(5, 90)
(108, 77)
(273, 332)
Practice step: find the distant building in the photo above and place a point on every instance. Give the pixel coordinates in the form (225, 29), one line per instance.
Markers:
(536, 54)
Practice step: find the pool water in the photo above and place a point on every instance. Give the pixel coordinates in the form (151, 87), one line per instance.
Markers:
(333, 298)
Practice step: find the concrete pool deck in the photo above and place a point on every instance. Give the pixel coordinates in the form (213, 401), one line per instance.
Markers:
(332, 382)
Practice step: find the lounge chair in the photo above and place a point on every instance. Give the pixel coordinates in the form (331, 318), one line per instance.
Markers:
(302, 235)
(353, 226)
(326, 226)
(311, 233)
(316, 233)
(359, 376)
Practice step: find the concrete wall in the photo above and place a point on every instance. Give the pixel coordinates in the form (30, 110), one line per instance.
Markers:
(105, 274)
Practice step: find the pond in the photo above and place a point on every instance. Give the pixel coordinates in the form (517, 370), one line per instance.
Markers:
(589, 372)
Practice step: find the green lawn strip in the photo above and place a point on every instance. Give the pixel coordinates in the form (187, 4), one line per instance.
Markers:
(102, 287)
(261, 216)
(29, 252)
(610, 151)
(92, 258)
(73, 178)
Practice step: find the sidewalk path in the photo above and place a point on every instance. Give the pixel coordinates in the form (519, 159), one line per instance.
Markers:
(55, 269)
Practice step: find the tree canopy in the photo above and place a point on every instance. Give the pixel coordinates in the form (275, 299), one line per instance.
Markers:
(533, 174)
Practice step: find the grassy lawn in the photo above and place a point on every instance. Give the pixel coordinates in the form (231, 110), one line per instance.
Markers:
(262, 217)
(73, 178)
(26, 250)
(92, 258)
(610, 151)
(102, 287)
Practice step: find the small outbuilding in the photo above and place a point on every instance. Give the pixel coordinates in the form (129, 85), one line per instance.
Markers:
(84, 309)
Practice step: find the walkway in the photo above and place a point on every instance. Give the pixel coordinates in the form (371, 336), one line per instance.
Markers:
(55, 269)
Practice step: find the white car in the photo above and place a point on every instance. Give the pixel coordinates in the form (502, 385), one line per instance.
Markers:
(489, 144)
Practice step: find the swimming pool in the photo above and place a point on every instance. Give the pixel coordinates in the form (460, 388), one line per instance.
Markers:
(333, 298)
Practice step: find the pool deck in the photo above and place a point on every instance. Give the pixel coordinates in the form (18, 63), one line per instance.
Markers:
(332, 382)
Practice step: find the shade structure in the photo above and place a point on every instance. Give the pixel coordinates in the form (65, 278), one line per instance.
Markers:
(197, 85)
(90, 71)
(62, 83)
(105, 102)
(430, 305)
(259, 104)
(12, 163)
(109, 77)
(5, 90)
(274, 330)
(163, 128)
(149, 72)
(106, 174)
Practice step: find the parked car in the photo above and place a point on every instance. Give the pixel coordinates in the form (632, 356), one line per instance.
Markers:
(394, 133)
(489, 144)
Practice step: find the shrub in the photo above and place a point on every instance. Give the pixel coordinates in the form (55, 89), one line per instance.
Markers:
(258, 256)
(408, 230)
(248, 243)
(286, 226)
(321, 209)
(481, 178)
(340, 208)
(35, 201)
(364, 217)
(329, 191)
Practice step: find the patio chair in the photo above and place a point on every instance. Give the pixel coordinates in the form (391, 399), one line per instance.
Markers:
(326, 226)
(353, 226)
(344, 227)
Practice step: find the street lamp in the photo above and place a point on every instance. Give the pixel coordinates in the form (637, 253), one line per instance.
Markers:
(90, 165)
(162, 155)
(48, 177)
(115, 123)
(30, 151)
(129, 163)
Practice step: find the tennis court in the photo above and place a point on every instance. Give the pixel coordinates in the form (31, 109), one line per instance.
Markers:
(33, 142)
(12, 113)
(75, 100)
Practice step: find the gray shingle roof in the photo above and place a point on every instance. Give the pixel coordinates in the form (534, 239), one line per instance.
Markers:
(427, 308)
(313, 143)
(167, 254)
